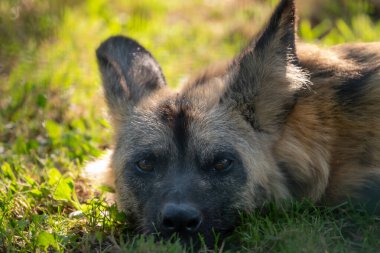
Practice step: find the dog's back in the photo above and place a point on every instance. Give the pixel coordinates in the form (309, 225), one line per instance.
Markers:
(334, 128)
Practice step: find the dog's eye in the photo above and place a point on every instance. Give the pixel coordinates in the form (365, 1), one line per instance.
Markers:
(222, 164)
(145, 165)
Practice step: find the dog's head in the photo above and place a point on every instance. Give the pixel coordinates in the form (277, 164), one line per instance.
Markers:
(187, 162)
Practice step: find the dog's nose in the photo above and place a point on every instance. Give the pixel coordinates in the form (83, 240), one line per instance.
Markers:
(177, 218)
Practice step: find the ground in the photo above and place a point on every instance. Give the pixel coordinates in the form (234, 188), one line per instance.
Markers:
(53, 120)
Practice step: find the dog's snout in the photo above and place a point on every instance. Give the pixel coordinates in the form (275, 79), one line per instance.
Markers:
(180, 218)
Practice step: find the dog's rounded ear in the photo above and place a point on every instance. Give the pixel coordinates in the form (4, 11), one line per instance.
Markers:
(129, 73)
(273, 49)
(265, 76)
(278, 37)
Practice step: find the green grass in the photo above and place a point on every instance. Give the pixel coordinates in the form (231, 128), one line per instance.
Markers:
(52, 119)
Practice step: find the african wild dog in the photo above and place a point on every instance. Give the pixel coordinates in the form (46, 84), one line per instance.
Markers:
(278, 122)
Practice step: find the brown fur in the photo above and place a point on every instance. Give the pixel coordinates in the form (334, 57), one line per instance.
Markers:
(299, 122)
(343, 138)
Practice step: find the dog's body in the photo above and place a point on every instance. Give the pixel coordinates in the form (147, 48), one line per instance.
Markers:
(276, 123)
(335, 129)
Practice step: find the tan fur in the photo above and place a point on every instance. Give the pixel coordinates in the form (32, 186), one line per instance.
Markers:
(323, 143)
(293, 121)
(327, 142)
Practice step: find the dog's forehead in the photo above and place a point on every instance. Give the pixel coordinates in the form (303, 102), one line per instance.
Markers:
(182, 112)
(175, 118)
(191, 121)
(186, 118)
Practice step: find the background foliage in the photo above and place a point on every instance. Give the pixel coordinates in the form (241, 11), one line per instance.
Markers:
(52, 118)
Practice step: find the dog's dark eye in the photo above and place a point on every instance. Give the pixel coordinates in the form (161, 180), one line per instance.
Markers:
(222, 164)
(145, 165)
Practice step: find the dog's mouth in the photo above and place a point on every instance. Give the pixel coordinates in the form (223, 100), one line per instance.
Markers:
(206, 236)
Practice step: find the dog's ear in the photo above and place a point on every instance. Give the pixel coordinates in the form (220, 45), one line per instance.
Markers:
(264, 78)
(278, 37)
(129, 73)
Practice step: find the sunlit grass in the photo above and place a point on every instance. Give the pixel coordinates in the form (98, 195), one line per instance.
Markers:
(53, 119)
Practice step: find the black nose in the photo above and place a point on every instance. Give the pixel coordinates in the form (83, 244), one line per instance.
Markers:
(180, 218)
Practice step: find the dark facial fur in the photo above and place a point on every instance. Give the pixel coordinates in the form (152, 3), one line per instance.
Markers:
(168, 135)
(268, 126)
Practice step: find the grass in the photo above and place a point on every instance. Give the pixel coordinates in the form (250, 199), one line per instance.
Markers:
(52, 119)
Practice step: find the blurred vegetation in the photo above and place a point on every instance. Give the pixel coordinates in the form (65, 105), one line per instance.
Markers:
(52, 118)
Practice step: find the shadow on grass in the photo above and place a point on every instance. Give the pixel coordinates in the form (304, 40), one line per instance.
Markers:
(304, 227)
